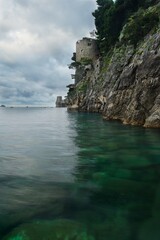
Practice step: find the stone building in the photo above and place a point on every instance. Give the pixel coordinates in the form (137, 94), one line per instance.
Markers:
(86, 49)
(84, 59)
(60, 102)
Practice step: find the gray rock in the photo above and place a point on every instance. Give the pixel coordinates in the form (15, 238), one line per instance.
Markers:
(153, 120)
(128, 87)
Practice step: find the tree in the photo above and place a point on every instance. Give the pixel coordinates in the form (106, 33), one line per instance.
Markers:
(110, 17)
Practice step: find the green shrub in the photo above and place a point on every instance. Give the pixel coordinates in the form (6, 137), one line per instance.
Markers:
(140, 24)
(82, 87)
(85, 61)
(74, 65)
(111, 16)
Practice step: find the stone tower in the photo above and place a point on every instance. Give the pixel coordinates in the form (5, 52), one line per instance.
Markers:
(86, 49)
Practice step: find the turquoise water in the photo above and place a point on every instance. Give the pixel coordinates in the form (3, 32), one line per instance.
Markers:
(73, 176)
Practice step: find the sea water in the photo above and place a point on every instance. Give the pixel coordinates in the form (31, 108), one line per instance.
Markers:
(73, 176)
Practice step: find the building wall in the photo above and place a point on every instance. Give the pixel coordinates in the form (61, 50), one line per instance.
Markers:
(86, 48)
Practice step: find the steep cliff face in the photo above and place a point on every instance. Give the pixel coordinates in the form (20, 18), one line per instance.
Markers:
(125, 85)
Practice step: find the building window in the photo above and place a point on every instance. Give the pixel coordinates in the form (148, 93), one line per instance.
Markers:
(89, 44)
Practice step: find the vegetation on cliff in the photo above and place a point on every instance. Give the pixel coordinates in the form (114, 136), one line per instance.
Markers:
(110, 18)
(140, 24)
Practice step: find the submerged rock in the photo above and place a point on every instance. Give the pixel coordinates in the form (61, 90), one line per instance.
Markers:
(50, 230)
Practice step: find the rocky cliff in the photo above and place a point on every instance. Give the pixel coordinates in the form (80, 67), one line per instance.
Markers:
(123, 85)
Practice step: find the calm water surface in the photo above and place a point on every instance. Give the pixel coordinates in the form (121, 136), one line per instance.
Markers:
(73, 176)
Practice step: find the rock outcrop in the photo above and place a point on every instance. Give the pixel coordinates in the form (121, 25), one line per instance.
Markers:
(125, 85)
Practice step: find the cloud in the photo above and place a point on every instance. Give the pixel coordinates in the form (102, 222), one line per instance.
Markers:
(37, 38)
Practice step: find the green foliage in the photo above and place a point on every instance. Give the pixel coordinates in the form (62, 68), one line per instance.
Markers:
(140, 24)
(74, 65)
(85, 61)
(82, 87)
(110, 17)
(107, 60)
(74, 57)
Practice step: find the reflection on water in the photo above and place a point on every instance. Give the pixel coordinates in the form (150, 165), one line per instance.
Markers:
(120, 167)
(74, 176)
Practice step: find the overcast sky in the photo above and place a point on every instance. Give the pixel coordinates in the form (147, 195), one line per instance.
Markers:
(37, 39)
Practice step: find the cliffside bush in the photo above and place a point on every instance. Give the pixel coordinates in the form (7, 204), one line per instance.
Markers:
(111, 16)
(84, 62)
(140, 24)
(82, 87)
(74, 65)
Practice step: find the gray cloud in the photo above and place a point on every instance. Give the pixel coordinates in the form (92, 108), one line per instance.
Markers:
(37, 38)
